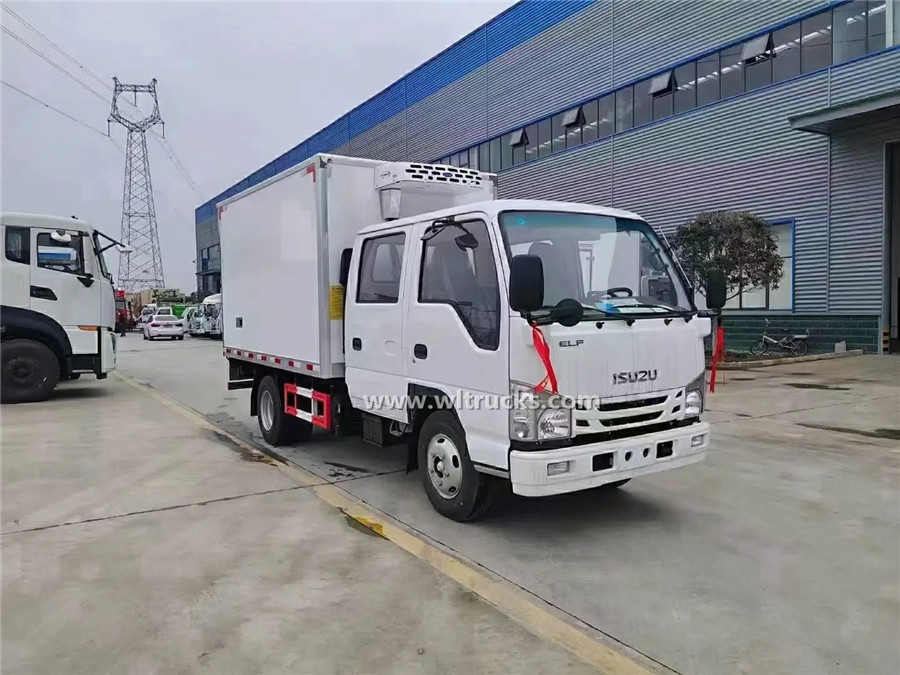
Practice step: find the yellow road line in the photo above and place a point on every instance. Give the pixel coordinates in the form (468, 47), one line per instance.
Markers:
(501, 594)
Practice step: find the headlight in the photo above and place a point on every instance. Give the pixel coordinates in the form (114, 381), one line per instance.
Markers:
(531, 417)
(695, 396)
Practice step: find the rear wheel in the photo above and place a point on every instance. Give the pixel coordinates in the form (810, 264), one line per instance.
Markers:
(800, 348)
(760, 347)
(277, 428)
(454, 488)
(30, 371)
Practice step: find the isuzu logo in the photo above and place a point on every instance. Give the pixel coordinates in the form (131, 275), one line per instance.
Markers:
(631, 376)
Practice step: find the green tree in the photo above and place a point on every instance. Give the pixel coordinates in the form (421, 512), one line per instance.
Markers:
(737, 242)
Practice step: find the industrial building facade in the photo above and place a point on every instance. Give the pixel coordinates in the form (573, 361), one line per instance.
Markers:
(789, 109)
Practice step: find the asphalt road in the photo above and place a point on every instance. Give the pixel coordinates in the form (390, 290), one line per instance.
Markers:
(779, 554)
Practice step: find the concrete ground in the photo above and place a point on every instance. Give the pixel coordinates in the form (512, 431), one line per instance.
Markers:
(136, 541)
(779, 554)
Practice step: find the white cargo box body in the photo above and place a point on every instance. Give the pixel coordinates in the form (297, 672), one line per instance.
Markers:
(281, 244)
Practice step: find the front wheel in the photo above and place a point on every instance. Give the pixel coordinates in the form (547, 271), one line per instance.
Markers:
(800, 348)
(454, 488)
(30, 371)
(760, 347)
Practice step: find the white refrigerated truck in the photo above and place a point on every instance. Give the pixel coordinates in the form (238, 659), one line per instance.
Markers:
(552, 345)
(58, 315)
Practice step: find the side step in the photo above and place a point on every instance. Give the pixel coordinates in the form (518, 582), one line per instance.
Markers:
(308, 404)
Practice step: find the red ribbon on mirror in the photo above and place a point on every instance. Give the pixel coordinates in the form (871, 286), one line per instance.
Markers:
(543, 350)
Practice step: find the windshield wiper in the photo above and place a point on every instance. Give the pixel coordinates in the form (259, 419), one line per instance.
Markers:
(686, 314)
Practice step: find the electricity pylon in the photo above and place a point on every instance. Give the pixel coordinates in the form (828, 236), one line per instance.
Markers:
(142, 268)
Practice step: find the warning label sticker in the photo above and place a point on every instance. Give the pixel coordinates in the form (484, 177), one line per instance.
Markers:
(336, 303)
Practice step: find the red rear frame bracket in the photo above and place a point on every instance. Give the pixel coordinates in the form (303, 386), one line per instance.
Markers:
(322, 420)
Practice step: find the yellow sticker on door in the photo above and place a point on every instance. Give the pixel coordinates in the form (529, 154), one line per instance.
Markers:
(336, 303)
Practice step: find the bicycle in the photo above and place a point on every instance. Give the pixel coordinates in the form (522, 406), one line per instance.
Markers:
(795, 343)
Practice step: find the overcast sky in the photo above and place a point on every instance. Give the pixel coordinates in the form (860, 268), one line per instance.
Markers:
(238, 84)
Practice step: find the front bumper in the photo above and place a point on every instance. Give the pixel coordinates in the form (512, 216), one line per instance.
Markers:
(600, 463)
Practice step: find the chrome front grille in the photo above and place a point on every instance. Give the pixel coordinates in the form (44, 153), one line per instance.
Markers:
(617, 414)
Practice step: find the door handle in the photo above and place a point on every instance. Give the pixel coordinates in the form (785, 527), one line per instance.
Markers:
(357, 344)
(43, 293)
(420, 351)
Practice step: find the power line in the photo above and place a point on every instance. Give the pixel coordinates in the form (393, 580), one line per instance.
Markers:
(166, 145)
(57, 47)
(58, 67)
(56, 110)
(92, 128)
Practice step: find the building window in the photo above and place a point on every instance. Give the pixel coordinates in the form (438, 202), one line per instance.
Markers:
(380, 267)
(786, 47)
(662, 89)
(473, 158)
(606, 116)
(643, 103)
(850, 31)
(573, 121)
(454, 160)
(685, 96)
(465, 279)
(624, 109)
(545, 144)
(756, 55)
(506, 151)
(484, 157)
(877, 23)
(495, 155)
(18, 245)
(558, 133)
(731, 76)
(708, 79)
(589, 130)
(518, 140)
(462, 159)
(815, 42)
(531, 149)
(769, 297)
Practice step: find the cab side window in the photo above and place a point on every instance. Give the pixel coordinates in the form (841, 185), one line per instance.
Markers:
(60, 256)
(380, 266)
(18, 244)
(465, 279)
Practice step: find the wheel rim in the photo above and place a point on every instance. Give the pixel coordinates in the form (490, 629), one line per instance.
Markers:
(444, 466)
(20, 372)
(267, 410)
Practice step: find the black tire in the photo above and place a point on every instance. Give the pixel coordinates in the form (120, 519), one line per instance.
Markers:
(181, 337)
(800, 348)
(283, 429)
(759, 348)
(74, 376)
(30, 371)
(476, 491)
(145, 336)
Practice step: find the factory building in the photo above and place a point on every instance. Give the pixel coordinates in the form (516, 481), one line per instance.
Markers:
(787, 108)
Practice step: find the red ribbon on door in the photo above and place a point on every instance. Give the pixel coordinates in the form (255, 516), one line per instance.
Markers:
(543, 350)
(718, 350)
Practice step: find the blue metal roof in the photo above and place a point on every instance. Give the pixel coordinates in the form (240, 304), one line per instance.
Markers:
(517, 24)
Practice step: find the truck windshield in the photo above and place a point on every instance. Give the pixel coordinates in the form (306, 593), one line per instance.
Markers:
(610, 264)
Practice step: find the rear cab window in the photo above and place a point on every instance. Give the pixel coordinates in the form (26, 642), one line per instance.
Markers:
(380, 268)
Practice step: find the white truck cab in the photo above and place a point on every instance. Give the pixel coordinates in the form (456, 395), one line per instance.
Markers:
(552, 345)
(58, 314)
(211, 320)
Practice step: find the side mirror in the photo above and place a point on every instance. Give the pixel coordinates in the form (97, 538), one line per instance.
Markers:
(526, 283)
(346, 257)
(716, 289)
(466, 241)
(124, 249)
(61, 236)
(568, 312)
(87, 279)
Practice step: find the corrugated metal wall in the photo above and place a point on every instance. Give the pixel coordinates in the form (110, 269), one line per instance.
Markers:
(653, 34)
(740, 154)
(386, 141)
(857, 233)
(868, 77)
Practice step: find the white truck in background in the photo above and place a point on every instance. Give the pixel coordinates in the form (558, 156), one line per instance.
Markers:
(58, 304)
(211, 318)
(552, 345)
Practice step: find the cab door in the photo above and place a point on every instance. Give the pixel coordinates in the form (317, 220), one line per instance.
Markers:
(373, 325)
(457, 334)
(64, 285)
